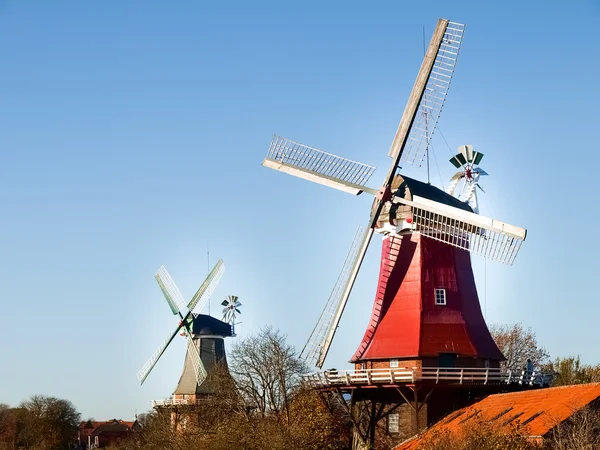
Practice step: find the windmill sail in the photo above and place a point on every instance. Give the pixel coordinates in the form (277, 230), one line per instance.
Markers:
(194, 353)
(317, 347)
(147, 368)
(480, 235)
(427, 98)
(201, 296)
(318, 166)
(169, 290)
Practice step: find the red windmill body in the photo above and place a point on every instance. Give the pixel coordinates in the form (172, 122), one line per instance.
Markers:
(426, 328)
(426, 310)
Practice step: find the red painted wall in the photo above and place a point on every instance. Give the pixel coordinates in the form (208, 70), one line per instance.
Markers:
(406, 322)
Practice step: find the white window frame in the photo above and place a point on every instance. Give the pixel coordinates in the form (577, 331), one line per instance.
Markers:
(437, 297)
(393, 363)
(393, 423)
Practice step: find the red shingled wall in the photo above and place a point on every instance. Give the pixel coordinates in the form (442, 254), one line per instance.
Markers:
(406, 322)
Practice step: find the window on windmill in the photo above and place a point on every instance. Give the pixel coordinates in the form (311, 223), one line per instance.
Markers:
(440, 296)
(393, 423)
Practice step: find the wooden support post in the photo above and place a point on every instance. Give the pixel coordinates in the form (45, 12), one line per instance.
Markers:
(372, 425)
(416, 408)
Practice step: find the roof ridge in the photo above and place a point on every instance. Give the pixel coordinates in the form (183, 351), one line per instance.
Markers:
(567, 386)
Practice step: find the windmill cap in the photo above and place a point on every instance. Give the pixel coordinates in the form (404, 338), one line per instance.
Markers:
(205, 325)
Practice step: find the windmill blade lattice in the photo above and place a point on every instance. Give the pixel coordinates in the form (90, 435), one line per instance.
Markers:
(194, 353)
(434, 95)
(169, 290)
(200, 298)
(316, 165)
(147, 368)
(480, 235)
(316, 348)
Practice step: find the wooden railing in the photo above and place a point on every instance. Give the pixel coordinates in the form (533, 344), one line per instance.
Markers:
(439, 375)
(174, 402)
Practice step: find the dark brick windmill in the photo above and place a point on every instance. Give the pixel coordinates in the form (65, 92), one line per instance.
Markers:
(205, 345)
(426, 329)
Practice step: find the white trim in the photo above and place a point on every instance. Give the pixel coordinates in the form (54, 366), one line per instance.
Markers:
(442, 291)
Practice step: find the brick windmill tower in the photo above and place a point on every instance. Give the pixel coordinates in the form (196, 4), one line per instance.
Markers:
(426, 330)
(205, 345)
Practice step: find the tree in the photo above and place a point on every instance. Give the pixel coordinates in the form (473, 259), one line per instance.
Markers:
(46, 423)
(518, 344)
(314, 426)
(260, 405)
(570, 370)
(7, 427)
(580, 432)
(266, 370)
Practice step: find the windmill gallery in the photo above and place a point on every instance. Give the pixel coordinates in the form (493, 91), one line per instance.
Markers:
(427, 350)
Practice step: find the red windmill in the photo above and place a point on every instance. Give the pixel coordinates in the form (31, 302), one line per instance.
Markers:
(426, 315)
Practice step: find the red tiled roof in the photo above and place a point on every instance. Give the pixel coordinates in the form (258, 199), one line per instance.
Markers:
(86, 430)
(537, 411)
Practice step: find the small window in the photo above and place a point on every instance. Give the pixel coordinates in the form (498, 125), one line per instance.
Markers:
(440, 296)
(393, 363)
(393, 423)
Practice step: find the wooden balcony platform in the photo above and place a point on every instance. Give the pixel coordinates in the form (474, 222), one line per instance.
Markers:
(364, 378)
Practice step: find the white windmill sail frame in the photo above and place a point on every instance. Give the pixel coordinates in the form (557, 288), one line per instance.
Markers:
(170, 290)
(207, 288)
(316, 348)
(434, 93)
(149, 365)
(491, 238)
(318, 166)
(194, 353)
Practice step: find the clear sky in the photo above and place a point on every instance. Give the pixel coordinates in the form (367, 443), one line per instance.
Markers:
(132, 132)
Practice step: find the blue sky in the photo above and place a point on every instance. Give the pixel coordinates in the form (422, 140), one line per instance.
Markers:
(131, 135)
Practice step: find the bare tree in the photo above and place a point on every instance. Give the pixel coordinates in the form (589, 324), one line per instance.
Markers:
(518, 343)
(260, 405)
(580, 432)
(267, 371)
